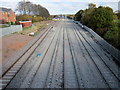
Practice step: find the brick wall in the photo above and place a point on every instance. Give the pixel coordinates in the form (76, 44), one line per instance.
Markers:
(7, 16)
(12, 17)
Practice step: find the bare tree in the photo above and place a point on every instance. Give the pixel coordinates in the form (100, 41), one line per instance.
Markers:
(32, 9)
(28, 7)
(20, 7)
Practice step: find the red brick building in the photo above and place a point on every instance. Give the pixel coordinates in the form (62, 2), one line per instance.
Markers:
(25, 23)
(7, 15)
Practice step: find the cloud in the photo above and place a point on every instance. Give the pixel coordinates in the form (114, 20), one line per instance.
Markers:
(113, 5)
(8, 5)
(84, 0)
(63, 6)
(61, 0)
(10, 0)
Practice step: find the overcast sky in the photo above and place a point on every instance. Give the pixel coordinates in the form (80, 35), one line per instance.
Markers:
(63, 6)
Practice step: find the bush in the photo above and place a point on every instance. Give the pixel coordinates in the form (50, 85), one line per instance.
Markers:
(30, 18)
(8, 23)
(50, 18)
(86, 16)
(101, 31)
(78, 15)
(24, 18)
(103, 21)
(70, 16)
(113, 35)
(101, 17)
(12, 23)
(37, 19)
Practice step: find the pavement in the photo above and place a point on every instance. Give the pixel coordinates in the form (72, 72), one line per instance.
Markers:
(68, 58)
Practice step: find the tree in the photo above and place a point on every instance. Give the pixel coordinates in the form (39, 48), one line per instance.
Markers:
(28, 8)
(24, 18)
(78, 15)
(70, 16)
(118, 14)
(20, 8)
(103, 21)
(101, 17)
(85, 19)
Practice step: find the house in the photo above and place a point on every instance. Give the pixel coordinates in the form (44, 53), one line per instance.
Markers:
(7, 15)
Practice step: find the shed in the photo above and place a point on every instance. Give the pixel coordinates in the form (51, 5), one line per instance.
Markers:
(25, 23)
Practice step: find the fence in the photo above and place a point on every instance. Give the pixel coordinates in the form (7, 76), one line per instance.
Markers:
(10, 30)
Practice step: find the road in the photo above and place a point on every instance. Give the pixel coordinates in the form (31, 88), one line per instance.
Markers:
(68, 57)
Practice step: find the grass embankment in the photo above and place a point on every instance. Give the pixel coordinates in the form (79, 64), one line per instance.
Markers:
(35, 28)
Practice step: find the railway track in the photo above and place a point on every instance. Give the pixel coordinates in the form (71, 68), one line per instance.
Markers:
(68, 58)
(107, 60)
(50, 81)
(14, 69)
(111, 71)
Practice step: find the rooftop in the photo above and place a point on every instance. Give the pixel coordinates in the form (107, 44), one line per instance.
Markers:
(4, 9)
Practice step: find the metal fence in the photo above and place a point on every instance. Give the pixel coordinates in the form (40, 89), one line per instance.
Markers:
(10, 30)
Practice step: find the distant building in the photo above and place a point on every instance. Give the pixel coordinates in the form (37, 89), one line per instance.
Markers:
(7, 15)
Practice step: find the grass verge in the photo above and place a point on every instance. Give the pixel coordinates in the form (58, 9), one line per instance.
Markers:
(35, 28)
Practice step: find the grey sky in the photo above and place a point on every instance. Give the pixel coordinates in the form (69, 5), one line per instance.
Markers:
(63, 6)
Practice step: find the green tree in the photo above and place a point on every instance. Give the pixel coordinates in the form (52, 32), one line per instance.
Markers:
(103, 21)
(113, 35)
(78, 15)
(70, 16)
(101, 17)
(86, 16)
(118, 14)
